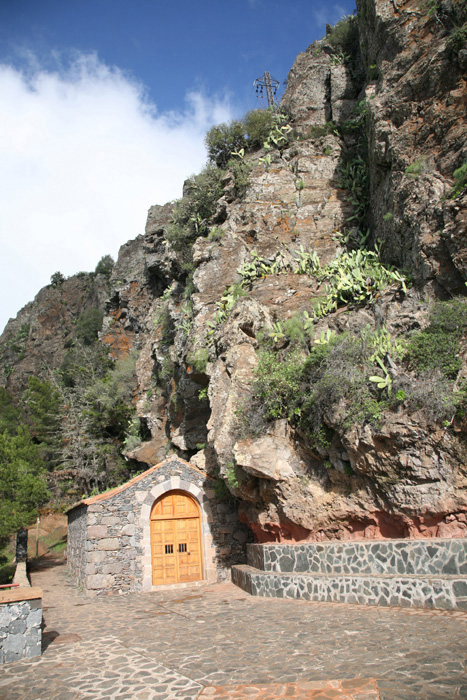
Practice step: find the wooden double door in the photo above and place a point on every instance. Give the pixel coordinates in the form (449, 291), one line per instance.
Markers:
(176, 540)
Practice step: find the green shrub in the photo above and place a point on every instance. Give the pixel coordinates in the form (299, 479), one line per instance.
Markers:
(457, 40)
(202, 396)
(89, 324)
(320, 130)
(166, 371)
(215, 234)
(415, 169)
(431, 392)
(279, 383)
(231, 475)
(438, 346)
(105, 266)
(250, 133)
(193, 212)
(199, 360)
(299, 329)
(222, 492)
(241, 174)
(344, 35)
(223, 139)
(338, 375)
(306, 388)
(201, 194)
(57, 279)
(373, 72)
(460, 181)
(258, 123)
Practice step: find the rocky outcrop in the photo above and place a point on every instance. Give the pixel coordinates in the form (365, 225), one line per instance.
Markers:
(37, 339)
(394, 110)
(417, 139)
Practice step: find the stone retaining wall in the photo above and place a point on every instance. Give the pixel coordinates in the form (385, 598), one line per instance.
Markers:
(444, 593)
(389, 557)
(408, 573)
(20, 624)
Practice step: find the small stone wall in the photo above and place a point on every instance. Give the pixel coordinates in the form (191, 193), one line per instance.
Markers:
(408, 573)
(389, 557)
(76, 544)
(446, 593)
(109, 548)
(20, 624)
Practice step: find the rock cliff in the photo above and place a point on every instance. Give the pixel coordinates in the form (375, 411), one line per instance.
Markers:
(37, 339)
(373, 133)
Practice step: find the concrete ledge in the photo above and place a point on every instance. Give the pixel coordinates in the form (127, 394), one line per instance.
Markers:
(15, 595)
(21, 575)
(430, 592)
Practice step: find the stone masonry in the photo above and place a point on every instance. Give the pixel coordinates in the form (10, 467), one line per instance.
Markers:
(20, 624)
(109, 548)
(408, 573)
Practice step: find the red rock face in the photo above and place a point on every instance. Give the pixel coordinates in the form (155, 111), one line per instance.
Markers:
(376, 526)
(119, 340)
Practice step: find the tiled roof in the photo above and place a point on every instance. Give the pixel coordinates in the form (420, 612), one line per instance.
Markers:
(123, 487)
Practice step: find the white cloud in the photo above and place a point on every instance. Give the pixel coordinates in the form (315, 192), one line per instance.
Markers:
(83, 154)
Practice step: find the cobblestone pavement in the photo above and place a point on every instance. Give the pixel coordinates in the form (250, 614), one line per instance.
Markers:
(218, 643)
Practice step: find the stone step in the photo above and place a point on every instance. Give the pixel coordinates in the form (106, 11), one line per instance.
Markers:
(447, 592)
(374, 558)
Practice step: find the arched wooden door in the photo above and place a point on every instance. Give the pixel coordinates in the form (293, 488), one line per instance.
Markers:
(176, 539)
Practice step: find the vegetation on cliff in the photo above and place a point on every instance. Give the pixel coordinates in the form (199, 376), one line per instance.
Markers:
(306, 293)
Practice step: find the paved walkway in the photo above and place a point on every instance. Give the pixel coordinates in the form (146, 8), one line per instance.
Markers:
(218, 643)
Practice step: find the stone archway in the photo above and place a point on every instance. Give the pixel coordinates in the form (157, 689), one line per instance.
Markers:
(176, 547)
(148, 499)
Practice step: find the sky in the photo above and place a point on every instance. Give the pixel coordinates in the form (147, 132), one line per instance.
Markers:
(104, 105)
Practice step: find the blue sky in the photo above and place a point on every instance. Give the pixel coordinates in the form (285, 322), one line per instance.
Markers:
(104, 107)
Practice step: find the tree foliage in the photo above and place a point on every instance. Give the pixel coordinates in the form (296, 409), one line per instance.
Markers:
(22, 481)
(89, 324)
(57, 279)
(105, 266)
(249, 133)
(43, 407)
(223, 139)
(10, 414)
(96, 398)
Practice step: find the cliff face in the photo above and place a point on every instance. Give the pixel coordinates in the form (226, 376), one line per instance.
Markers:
(389, 117)
(416, 137)
(37, 339)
